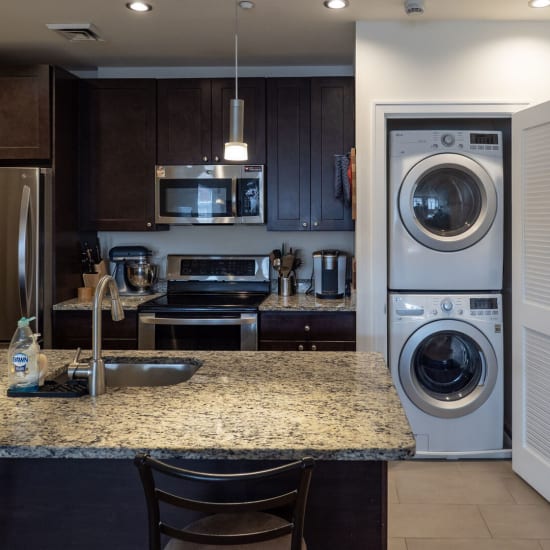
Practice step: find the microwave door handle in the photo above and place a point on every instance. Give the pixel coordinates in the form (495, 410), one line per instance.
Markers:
(22, 251)
(243, 320)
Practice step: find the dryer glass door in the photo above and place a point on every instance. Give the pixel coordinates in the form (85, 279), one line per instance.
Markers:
(448, 368)
(447, 202)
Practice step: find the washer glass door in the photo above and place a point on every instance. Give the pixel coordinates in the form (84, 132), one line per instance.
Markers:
(448, 368)
(447, 202)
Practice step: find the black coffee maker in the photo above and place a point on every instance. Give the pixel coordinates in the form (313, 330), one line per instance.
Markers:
(329, 268)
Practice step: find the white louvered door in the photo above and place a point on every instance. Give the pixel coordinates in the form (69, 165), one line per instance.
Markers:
(531, 296)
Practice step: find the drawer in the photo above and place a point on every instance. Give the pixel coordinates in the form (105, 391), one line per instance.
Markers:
(332, 326)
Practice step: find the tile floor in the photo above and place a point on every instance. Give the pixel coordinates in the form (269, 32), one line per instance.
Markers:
(464, 505)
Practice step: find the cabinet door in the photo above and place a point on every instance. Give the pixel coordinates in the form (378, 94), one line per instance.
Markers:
(184, 121)
(288, 125)
(25, 127)
(332, 133)
(117, 173)
(252, 91)
(73, 329)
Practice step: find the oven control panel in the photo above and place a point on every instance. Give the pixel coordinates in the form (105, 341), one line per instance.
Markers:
(218, 268)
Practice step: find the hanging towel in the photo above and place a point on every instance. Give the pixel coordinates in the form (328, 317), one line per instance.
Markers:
(341, 163)
(347, 184)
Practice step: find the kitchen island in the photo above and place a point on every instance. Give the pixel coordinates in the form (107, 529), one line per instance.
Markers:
(239, 410)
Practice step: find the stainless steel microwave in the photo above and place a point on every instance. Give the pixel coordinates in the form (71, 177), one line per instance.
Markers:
(209, 194)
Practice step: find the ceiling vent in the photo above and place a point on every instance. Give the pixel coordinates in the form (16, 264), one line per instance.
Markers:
(414, 7)
(76, 32)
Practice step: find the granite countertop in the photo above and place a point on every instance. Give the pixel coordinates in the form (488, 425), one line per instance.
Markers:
(240, 405)
(307, 302)
(274, 302)
(128, 303)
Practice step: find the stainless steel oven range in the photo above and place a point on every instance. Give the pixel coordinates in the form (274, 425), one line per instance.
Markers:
(211, 304)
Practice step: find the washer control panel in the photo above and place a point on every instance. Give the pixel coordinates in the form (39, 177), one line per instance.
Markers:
(441, 306)
(407, 142)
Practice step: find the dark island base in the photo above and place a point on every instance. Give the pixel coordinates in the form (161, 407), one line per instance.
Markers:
(86, 504)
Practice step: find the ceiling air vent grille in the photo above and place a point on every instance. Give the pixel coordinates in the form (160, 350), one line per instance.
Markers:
(76, 32)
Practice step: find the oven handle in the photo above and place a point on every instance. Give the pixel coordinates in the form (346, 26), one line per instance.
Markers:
(198, 321)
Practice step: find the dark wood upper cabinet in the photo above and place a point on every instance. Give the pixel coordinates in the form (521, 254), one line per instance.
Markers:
(184, 121)
(332, 133)
(25, 114)
(118, 144)
(309, 120)
(193, 119)
(288, 153)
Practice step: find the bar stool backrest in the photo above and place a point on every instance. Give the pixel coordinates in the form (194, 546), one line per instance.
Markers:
(268, 496)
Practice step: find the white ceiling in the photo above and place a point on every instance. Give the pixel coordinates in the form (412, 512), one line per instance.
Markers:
(194, 33)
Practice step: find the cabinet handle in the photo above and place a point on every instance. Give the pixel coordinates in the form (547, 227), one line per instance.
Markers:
(205, 158)
(300, 347)
(216, 158)
(313, 347)
(307, 328)
(315, 224)
(304, 224)
(149, 224)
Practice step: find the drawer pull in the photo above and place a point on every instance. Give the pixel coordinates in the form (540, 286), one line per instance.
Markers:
(300, 347)
(313, 347)
(307, 328)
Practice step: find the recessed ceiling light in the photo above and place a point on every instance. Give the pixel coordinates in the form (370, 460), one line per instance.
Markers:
(139, 6)
(336, 4)
(539, 3)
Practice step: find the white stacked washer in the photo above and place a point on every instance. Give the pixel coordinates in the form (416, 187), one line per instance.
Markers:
(445, 210)
(445, 357)
(445, 240)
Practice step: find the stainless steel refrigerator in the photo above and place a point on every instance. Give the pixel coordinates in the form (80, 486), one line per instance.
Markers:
(25, 250)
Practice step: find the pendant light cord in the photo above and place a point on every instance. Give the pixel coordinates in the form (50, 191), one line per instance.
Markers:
(236, 48)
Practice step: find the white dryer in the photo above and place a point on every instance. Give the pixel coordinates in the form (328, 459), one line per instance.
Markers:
(445, 210)
(445, 356)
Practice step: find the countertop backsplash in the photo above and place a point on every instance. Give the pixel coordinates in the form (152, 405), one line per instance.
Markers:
(232, 240)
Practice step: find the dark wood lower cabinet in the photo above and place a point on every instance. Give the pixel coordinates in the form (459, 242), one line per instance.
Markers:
(307, 331)
(73, 329)
(86, 504)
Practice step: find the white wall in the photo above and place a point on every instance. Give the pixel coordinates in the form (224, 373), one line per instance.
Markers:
(231, 239)
(415, 62)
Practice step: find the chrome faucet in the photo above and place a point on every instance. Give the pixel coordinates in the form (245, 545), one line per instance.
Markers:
(95, 370)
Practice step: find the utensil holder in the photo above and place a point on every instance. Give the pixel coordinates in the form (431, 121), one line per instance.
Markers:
(286, 286)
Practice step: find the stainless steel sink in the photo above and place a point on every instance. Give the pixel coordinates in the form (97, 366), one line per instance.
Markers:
(157, 371)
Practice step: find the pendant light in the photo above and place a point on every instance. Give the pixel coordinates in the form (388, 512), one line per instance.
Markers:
(235, 148)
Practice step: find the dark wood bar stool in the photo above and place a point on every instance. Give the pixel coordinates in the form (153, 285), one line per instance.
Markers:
(270, 515)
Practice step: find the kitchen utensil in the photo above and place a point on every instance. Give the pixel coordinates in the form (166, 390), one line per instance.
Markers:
(287, 264)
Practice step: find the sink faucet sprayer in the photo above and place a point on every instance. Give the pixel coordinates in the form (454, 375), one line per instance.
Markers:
(95, 370)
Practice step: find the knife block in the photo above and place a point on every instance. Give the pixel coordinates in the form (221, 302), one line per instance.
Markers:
(91, 279)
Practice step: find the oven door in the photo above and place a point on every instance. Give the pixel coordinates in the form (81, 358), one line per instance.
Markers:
(198, 331)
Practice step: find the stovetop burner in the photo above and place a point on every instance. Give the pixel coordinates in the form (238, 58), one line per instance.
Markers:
(200, 301)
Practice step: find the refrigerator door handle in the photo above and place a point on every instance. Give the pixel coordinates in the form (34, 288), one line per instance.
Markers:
(25, 286)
